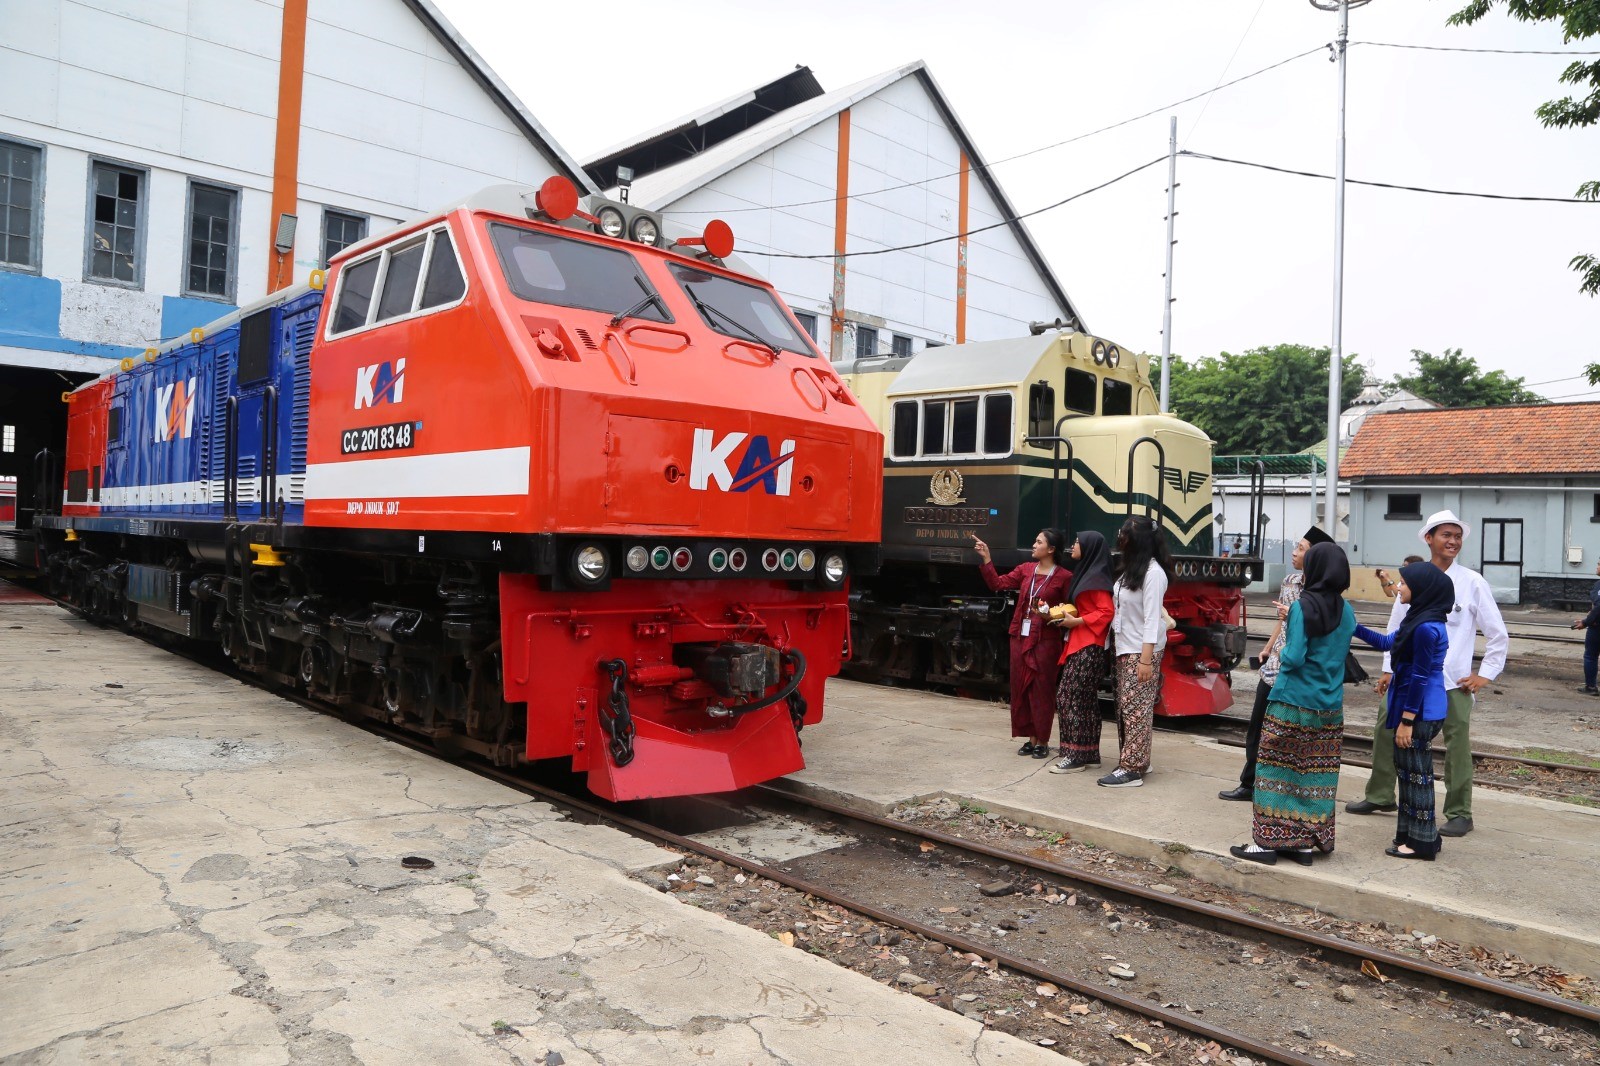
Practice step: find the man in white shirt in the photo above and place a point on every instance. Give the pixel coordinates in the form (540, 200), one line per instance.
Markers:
(1475, 610)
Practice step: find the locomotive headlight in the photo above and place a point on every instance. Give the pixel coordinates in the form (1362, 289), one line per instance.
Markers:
(638, 558)
(1099, 351)
(833, 569)
(589, 564)
(808, 559)
(610, 221)
(1113, 356)
(645, 230)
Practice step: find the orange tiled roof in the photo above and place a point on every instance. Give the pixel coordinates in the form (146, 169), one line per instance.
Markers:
(1551, 438)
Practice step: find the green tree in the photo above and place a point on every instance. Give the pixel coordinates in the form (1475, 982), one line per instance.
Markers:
(1580, 20)
(1267, 401)
(1454, 380)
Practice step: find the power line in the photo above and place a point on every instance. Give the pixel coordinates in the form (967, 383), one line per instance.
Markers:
(1483, 51)
(1225, 67)
(1388, 185)
(1552, 381)
(1010, 158)
(968, 233)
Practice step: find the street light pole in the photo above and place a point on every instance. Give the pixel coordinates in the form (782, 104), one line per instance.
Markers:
(1336, 353)
(1172, 214)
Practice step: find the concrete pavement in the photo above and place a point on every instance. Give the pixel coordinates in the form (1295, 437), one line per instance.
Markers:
(197, 871)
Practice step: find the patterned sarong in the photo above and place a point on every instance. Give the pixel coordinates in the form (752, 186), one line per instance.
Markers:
(1078, 703)
(1297, 774)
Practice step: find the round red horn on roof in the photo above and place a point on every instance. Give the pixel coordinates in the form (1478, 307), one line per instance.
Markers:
(558, 198)
(719, 238)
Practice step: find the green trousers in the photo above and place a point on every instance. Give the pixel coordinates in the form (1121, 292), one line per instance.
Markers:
(1457, 758)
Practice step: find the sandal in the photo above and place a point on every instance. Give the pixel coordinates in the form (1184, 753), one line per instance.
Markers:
(1265, 856)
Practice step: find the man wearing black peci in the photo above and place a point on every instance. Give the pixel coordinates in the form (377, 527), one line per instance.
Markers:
(1288, 592)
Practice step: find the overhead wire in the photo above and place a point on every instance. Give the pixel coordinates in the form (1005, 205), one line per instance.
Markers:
(1020, 155)
(967, 233)
(1386, 184)
(1225, 68)
(1483, 51)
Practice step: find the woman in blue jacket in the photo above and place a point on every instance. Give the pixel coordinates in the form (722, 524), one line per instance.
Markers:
(1417, 701)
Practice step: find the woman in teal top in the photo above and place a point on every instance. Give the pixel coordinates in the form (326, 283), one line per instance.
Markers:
(1297, 770)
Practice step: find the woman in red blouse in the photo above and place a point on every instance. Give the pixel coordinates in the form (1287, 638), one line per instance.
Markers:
(1035, 645)
(1083, 661)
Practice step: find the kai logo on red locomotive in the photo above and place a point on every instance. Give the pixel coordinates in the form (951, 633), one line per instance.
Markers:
(383, 382)
(756, 464)
(175, 410)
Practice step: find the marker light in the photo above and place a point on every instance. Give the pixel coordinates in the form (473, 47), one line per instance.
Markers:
(737, 559)
(719, 560)
(661, 558)
(769, 559)
(681, 559)
(638, 558)
(789, 559)
(808, 559)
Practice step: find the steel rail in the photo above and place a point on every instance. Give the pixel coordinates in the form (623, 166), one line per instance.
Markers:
(1235, 922)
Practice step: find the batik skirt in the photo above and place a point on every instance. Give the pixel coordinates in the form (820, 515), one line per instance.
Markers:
(1297, 775)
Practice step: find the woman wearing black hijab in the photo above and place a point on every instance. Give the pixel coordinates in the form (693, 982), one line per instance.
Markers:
(1297, 769)
(1417, 700)
(1083, 660)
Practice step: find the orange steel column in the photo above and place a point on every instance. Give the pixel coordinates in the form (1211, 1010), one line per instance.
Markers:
(841, 204)
(961, 253)
(286, 154)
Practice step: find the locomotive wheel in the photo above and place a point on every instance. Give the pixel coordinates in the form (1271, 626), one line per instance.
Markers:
(308, 668)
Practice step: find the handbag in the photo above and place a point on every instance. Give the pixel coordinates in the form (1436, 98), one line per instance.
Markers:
(1353, 673)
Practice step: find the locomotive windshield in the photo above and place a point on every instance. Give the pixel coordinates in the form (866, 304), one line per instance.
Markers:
(736, 309)
(568, 272)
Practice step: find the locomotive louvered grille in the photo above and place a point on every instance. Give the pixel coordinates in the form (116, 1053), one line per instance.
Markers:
(303, 333)
(588, 341)
(216, 445)
(249, 484)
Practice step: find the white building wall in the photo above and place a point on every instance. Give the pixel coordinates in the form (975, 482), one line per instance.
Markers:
(897, 137)
(392, 126)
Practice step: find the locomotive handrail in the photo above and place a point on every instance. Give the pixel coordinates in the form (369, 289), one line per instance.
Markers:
(1258, 492)
(47, 484)
(1055, 472)
(1161, 477)
(230, 460)
(269, 453)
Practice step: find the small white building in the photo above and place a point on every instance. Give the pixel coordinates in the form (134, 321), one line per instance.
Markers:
(818, 186)
(163, 162)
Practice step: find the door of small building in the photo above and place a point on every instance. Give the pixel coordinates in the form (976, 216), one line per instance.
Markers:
(1501, 564)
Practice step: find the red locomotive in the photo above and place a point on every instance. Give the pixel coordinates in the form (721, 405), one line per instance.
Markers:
(527, 479)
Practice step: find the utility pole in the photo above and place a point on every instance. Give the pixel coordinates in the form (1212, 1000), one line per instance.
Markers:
(1172, 214)
(1330, 521)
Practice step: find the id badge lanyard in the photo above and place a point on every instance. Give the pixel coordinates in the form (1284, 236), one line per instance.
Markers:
(1027, 619)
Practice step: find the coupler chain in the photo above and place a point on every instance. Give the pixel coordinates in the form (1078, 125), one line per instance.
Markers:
(615, 717)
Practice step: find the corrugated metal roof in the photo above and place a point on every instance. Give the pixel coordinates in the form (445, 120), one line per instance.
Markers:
(661, 189)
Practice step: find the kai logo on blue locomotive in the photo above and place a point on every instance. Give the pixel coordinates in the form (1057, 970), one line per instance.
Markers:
(174, 415)
(756, 465)
(383, 382)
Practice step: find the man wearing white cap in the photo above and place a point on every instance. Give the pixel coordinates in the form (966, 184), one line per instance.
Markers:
(1475, 610)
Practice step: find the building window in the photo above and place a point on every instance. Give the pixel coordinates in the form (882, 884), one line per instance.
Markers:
(900, 345)
(340, 230)
(808, 322)
(115, 250)
(213, 238)
(8, 438)
(1406, 505)
(866, 342)
(1595, 515)
(20, 200)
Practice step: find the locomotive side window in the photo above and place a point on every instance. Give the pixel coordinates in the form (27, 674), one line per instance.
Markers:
(1081, 391)
(964, 427)
(566, 272)
(907, 427)
(420, 274)
(737, 309)
(1041, 410)
(1118, 398)
(113, 426)
(997, 424)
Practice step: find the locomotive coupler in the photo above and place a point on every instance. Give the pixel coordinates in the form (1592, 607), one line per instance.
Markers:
(735, 670)
(615, 717)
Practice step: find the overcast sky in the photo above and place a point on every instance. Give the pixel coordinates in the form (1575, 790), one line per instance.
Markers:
(1255, 254)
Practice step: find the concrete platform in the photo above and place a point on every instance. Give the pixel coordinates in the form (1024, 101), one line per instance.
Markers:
(1523, 881)
(200, 872)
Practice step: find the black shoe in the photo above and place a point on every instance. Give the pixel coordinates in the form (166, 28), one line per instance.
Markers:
(1299, 855)
(1027, 749)
(1456, 827)
(1041, 751)
(1362, 806)
(1261, 855)
(1241, 793)
(1590, 690)
(1395, 851)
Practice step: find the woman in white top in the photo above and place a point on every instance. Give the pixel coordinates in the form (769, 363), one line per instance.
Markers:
(1139, 637)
